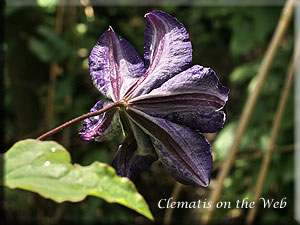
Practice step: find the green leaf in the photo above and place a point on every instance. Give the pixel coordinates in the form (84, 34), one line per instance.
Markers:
(244, 72)
(250, 27)
(242, 39)
(224, 140)
(49, 46)
(45, 168)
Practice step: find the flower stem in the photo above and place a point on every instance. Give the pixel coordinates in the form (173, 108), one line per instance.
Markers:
(82, 117)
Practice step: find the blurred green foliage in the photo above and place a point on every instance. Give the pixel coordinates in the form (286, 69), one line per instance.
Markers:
(231, 40)
(50, 47)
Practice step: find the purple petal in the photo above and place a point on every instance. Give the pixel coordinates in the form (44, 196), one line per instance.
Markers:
(204, 121)
(136, 153)
(167, 51)
(185, 153)
(193, 98)
(114, 65)
(102, 127)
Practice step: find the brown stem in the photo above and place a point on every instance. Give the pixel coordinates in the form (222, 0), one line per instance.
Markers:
(54, 70)
(66, 133)
(274, 134)
(285, 18)
(82, 117)
(169, 211)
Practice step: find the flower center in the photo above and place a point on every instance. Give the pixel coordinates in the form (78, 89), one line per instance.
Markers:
(124, 103)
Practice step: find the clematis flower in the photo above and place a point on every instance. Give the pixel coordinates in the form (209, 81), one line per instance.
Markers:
(166, 104)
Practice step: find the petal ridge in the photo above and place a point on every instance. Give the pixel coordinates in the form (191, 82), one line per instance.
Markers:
(185, 153)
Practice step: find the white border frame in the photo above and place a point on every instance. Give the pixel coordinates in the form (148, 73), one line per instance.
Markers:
(243, 3)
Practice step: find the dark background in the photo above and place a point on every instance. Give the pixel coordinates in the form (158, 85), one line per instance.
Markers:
(46, 82)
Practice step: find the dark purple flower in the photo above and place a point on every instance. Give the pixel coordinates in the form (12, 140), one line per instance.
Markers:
(166, 103)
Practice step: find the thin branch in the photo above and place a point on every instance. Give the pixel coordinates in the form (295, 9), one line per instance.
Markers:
(169, 211)
(66, 133)
(82, 117)
(274, 134)
(250, 104)
(70, 22)
(55, 69)
(255, 155)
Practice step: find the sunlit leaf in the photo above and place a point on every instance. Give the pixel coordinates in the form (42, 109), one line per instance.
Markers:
(45, 168)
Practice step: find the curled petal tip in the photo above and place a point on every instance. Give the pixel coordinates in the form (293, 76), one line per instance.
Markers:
(205, 185)
(86, 138)
(110, 29)
(156, 13)
(205, 182)
(148, 14)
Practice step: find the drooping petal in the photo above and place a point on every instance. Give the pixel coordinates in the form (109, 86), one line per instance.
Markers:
(197, 79)
(204, 121)
(102, 127)
(114, 65)
(167, 51)
(136, 153)
(194, 98)
(185, 153)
